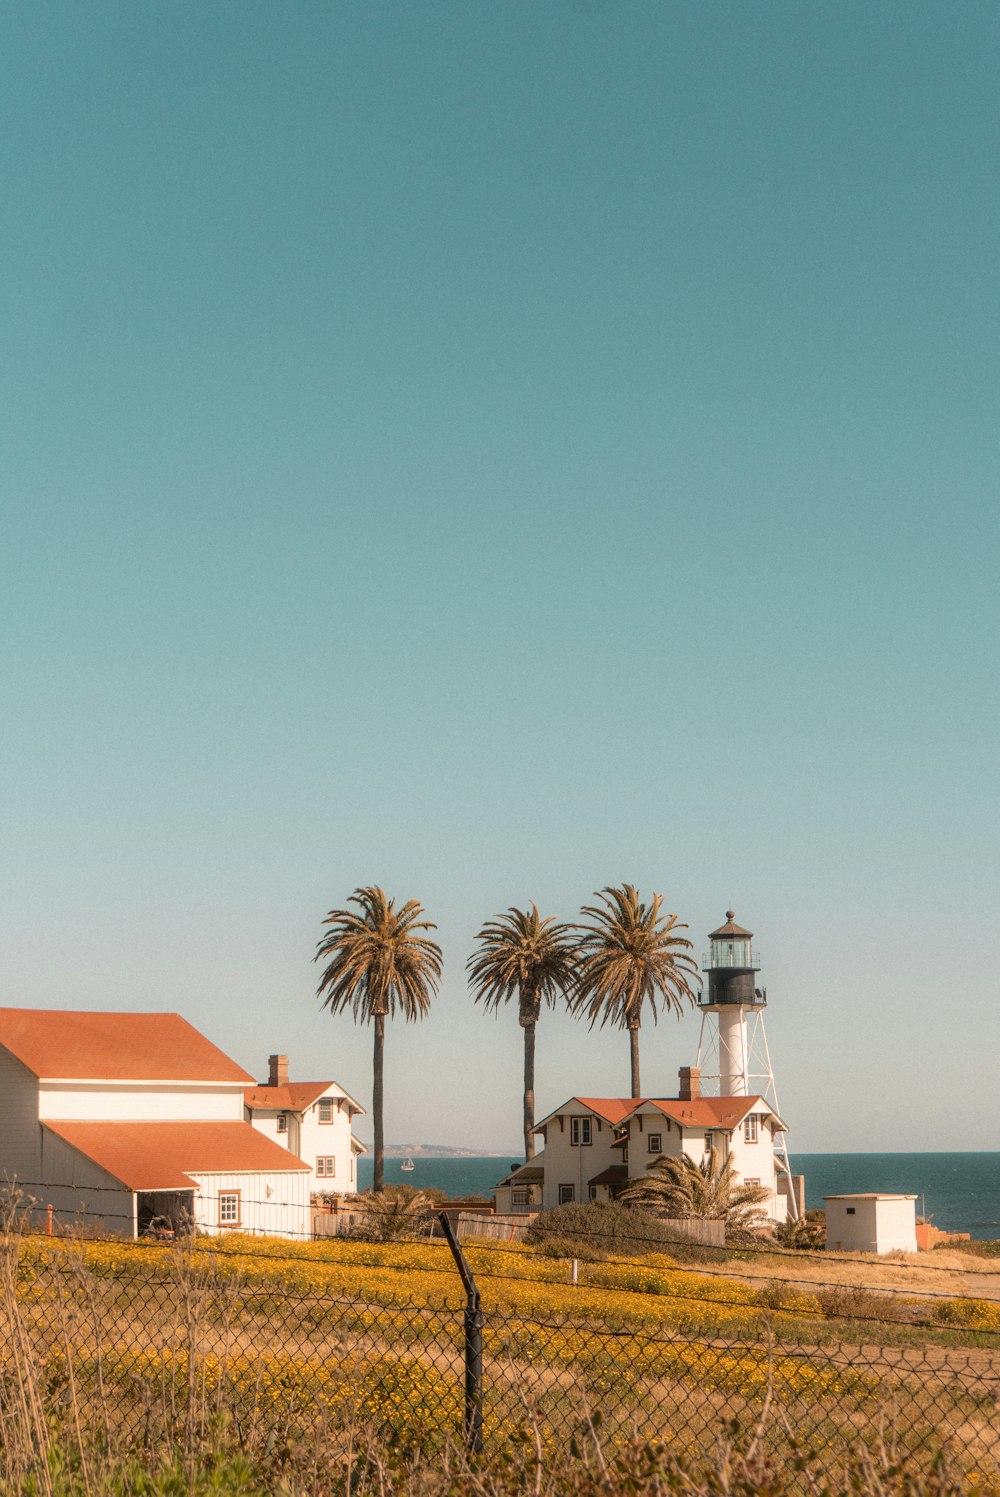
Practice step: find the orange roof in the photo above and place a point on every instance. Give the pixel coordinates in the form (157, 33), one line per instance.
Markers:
(703, 1112)
(295, 1096)
(66, 1045)
(611, 1109)
(707, 1112)
(164, 1156)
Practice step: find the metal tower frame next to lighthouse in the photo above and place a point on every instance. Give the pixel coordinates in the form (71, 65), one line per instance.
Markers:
(733, 1038)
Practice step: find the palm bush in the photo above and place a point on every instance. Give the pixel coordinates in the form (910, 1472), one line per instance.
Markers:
(679, 1187)
(387, 1215)
(805, 1234)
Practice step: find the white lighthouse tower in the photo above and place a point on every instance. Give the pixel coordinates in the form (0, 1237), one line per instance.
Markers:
(732, 1046)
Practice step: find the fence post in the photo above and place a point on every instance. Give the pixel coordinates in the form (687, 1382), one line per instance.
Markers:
(473, 1342)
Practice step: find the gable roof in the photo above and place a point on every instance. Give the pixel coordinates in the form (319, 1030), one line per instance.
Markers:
(611, 1109)
(71, 1045)
(296, 1096)
(702, 1112)
(710, 1112)
(164, 1156)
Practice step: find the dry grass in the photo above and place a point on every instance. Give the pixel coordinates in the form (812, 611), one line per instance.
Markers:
(198, 1378)
(950, 1272)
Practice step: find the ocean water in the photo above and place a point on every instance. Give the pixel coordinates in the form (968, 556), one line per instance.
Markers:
(959, 1192)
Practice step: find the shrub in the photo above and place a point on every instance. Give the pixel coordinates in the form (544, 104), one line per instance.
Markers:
(599, 1228)
(970, 1314)
(852, 1303)
(809, 1232)
(384, 1216)
(779, 1295)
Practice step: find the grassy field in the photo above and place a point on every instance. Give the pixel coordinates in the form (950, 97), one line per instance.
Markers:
(139, 1347)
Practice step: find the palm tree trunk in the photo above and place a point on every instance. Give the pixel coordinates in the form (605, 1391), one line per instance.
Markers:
(633, 1041)
(379, 1181)
(529, 1091)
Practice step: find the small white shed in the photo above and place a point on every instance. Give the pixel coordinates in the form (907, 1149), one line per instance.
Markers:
(871, 1223)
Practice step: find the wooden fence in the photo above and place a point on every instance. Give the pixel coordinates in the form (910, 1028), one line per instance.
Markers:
(514, 1228)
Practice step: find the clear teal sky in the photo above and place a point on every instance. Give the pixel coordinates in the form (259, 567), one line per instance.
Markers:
(495, 450)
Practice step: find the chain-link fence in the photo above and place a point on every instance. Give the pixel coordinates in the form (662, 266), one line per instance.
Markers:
(136, 1346)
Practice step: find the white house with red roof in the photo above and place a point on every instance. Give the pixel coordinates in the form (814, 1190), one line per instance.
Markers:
(121, 1119)
(594, 1146)
(312, 1119)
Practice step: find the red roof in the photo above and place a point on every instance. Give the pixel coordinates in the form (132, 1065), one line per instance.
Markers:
(164, 1156)
(703, 1112)
(707, 1112)
(294, 1096)
(611, 1109)
(66, 1045)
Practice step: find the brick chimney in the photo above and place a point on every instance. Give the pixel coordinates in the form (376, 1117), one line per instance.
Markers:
(690, 1080)
(277, 1070)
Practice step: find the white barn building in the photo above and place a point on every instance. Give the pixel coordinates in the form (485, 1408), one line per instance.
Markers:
(117, 1119)
(313, 1120)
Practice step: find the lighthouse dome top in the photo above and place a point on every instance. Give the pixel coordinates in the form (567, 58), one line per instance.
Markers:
(729, 930)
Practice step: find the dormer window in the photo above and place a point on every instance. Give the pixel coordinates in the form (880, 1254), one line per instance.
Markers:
(750, 1129)
(326, 1110)
(579, 1132)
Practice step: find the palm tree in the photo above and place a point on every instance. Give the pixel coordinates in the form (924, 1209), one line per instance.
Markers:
(630, 957)
(377, 962)
(679, 1187)
(387, 1215)
(522, 955)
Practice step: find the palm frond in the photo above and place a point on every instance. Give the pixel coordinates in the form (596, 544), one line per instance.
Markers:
(631, 959)
(377, 960)
(524, 956)
(676, 1186)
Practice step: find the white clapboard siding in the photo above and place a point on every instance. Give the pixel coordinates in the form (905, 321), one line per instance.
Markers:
(20, 1135)
(276, 1204)
(138, 1102)
(80, 1193)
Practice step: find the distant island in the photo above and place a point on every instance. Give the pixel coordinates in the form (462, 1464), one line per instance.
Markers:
(433, 1151)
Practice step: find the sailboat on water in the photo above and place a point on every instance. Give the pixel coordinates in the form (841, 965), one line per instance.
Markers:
(407, 1165)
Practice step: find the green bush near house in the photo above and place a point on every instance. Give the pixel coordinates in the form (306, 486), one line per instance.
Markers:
(599, 1229)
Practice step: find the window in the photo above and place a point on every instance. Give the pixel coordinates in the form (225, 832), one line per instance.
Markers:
(282, 1123)
(579, 1131)
(748, 1181)
(326, 1166)
(709, 1143)
(229, 1208)
(653, 1143)
(326, 1110)
(592, 1192)
(750, 1129)
(567, 1193)
(519, 1197)
(851, 1210)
